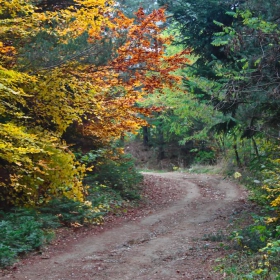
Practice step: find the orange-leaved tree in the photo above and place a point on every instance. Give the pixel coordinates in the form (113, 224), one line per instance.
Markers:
(68, 74)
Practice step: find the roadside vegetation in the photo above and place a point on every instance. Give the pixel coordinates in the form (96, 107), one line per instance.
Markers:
(25, 229)
(192, 86)
(225, 116)
(71, 74)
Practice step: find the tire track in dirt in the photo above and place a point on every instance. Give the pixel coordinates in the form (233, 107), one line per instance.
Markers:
(160, 246)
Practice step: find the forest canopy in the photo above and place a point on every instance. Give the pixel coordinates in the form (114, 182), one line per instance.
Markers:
(197, 81)
(70, 77)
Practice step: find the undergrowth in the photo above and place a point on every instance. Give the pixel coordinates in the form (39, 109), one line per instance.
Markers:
(256, 245)
(118, 176)
(113, 181)
(254, 250)
(21, 231)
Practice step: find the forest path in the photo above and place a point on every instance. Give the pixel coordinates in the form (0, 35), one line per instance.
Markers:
(163, 241)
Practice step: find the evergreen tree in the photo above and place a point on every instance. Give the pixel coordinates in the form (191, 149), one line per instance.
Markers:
(237, 44)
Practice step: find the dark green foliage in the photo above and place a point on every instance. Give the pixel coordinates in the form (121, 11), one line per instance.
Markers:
(237, 66)
(205, 157)
(100, 194)
(7, 255)
(256, 235)
(49, 53)
(224, 127)
(20, 232)
(120, 175)
(251, 81)
(24, 230)
(195, 20)
(66, 212)
(114, 175)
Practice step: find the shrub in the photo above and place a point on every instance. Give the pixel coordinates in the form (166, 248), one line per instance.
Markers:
(7, 255)
(23, 230)
(20, 232)
(205, 157)
(120, 175)
(68, 212)
(114, 170)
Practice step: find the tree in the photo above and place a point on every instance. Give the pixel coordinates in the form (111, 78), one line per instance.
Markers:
(252, 82)
(181, 122)
(237, 62)
(195, 21)
(69, 90)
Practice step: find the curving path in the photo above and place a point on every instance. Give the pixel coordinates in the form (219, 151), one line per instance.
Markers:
(167, 243)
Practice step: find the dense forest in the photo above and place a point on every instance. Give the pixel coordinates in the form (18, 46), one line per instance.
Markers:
(196, 82)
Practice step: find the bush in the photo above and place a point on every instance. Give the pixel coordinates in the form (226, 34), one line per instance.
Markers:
(119, 174)
(253, 237)
(7, 255)
(205, 157)
(20, 232)
(24, 230)
(264, 263)
(67, 212)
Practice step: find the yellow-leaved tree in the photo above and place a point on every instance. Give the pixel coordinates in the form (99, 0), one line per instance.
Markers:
(68, 72)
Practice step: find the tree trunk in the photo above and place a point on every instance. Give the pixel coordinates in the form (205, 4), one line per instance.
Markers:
(161, 154)
(146, 136)
(255, 147)
(237, 155)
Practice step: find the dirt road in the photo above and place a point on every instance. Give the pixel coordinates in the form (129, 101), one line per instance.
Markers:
(165, 241)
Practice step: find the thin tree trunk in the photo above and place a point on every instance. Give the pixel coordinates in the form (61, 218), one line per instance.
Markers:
(146, 136)
(161, 154)
(237, 155)
(255, 147)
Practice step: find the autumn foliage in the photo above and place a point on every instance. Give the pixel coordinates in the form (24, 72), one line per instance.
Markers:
(70, 74)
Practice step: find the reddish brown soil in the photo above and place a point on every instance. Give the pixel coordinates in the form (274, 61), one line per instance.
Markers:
(161, 239)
